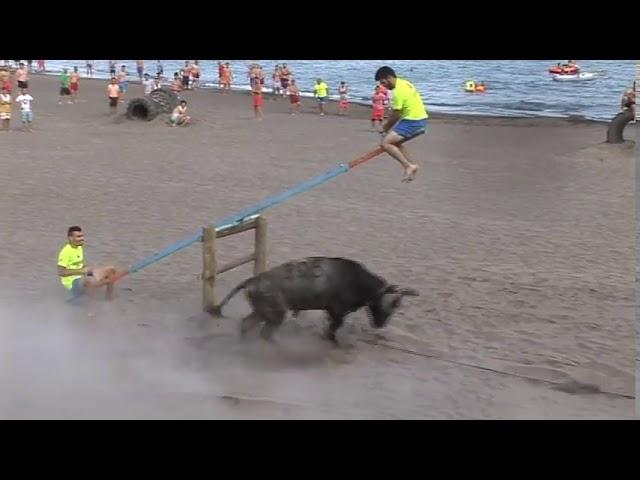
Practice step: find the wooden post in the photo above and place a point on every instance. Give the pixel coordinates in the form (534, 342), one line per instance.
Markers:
(208, 268)
(260, 262)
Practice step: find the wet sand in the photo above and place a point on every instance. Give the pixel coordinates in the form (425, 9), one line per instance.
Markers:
(519, 234)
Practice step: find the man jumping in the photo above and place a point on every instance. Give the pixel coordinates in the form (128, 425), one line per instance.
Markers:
(75, 277)
(408, 118)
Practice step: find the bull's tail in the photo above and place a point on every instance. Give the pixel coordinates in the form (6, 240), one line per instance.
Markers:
(216, 310)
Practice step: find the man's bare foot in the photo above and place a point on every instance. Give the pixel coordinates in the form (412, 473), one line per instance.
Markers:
(410, 174)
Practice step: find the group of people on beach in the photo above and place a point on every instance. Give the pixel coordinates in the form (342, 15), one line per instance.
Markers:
(24, 99)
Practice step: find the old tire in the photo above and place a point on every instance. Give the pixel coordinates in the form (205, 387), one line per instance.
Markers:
(616, 127)
(143, 109)
(165, 98)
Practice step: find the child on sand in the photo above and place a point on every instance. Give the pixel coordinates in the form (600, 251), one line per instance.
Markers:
(24, 99)
(377, 101)
(113, 93)
(5, 109)
(258, 101)
(227, 77)
(74, 83)
(179, 115)
(343, 106)
(122, 82)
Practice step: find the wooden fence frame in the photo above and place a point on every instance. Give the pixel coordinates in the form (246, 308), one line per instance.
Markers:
(210, 269)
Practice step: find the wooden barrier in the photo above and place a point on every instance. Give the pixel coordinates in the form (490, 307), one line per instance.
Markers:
(210, 268)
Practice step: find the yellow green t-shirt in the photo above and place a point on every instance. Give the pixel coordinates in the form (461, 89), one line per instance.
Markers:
(71, 258)
(321, 89)
(407, 99)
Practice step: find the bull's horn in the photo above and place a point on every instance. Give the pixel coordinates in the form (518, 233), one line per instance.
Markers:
(409, 292)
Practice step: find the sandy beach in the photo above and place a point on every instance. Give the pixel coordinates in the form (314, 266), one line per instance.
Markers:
(518, 233)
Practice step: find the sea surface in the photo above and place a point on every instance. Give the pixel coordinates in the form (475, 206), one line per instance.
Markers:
(516, 88)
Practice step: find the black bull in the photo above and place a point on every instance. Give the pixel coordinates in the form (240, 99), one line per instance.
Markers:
(337, 285)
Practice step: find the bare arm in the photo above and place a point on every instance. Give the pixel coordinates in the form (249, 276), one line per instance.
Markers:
(391, 121)
(68, 272)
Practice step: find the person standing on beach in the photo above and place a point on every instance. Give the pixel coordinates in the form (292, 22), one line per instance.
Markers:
(294, 97)
(112, 68)
(343, 90)
(77, 278)
(258, 101)
(24, 99)
(122, 82)
(5, 109)
(65, 81)
(276, 81)
(148, 84)
(220, 74)
(22, 76)
(113, 94)
(195, 73)
(140, 69)
(408, 118)
(159, 70)
(186, 72)
(629, 101)
(176, 85)
(89, 68)
(285, 78)
(378, 102)
(227, 78)
(41, 66)
(74, 83)
(321, 92)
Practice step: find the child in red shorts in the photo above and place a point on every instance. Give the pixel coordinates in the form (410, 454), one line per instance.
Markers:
(258, 100)
(378, 101)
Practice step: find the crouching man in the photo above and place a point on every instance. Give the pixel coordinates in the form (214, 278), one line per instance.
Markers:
(77, 278)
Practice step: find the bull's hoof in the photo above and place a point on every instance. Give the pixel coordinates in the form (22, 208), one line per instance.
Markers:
(215, 311)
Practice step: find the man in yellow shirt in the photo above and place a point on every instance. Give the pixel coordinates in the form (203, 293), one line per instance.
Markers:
(74, 276)
(321, 92)
(408, 119)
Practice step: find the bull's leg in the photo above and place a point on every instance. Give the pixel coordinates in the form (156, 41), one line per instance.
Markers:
(336, 319)
(274, 311)
(249, 322)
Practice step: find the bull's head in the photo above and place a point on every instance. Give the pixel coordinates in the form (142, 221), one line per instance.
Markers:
(387, 301)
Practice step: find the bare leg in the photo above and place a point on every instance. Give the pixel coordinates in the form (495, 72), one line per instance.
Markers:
(389, 144)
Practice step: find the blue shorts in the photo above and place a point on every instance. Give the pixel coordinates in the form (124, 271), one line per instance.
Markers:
(27, 117)
(77, 288)
(409, 128)
(123, 87)
(322, 99)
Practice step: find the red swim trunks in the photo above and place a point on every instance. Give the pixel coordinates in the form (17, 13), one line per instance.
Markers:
(294, 99)
(257, 101)
(377, 114)
(74, 87)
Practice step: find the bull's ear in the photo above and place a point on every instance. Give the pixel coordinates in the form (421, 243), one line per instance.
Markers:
(409, 292)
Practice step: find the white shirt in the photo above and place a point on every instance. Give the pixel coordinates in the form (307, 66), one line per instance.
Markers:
(25, 102)
(149, 86)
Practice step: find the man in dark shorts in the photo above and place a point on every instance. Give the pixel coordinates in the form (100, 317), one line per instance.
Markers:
(65, 81)
(22, 76)
(113, 93)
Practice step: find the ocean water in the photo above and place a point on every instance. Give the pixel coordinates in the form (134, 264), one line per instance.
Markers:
(515, 87)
